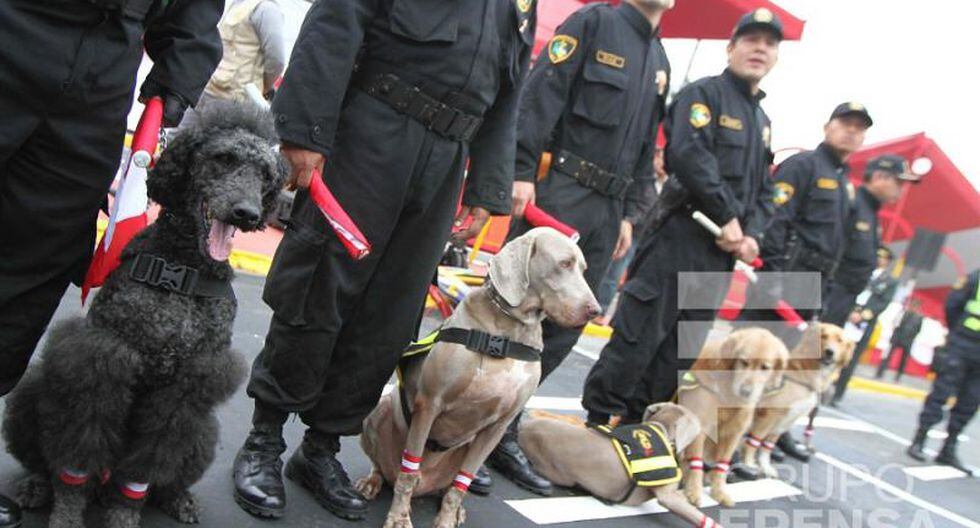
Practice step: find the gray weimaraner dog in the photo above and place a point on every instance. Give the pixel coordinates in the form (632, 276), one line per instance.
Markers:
(460, 400)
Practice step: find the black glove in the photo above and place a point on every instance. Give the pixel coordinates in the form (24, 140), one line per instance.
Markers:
(174, 104)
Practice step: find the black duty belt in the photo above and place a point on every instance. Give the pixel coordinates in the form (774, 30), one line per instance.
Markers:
(185, 280)
(437, 116)
(589, 174)
(816, 261)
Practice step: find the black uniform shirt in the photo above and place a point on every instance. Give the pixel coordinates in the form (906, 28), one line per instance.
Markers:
(598, 91)
(861, 256)
(813, 203)
(718, 149)
(477, 51)
(958, 311)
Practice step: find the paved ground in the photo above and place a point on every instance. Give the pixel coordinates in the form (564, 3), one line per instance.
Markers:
(860, 477)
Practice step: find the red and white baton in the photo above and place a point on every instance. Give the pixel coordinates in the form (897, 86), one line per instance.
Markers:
(350, 235)
(535, 216)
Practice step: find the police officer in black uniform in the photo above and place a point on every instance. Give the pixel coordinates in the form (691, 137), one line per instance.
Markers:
(66, 86)
(718, 154)
(593, 101)
(389, 99)
(959, 376)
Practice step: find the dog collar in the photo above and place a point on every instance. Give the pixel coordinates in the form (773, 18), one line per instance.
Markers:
(177, 278)
(499, 301)
(489, 344)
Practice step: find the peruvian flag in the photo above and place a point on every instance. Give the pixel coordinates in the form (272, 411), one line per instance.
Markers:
(128, 214)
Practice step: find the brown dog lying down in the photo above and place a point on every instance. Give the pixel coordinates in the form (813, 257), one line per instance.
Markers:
(724, 385)
(813, 365)
(462, 400)
(571, 455)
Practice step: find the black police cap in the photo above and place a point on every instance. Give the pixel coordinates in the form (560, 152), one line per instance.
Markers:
(761, 18)
(893, 164)
(858, 109)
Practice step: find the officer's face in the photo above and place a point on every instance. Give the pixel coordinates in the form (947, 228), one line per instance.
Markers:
(753, 54)
(845, 134)
(885, 187)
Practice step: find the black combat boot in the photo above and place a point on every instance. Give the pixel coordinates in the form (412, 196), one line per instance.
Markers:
(314, 466)
(9, 513)
(482, 483)
(918, 444)
(788, 445)
(509, 459)
(257, 470)
(949, 457)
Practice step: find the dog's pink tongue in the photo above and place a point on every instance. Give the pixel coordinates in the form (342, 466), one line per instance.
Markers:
(219, 240)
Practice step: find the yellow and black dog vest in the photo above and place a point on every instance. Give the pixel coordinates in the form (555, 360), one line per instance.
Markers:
(645, 453)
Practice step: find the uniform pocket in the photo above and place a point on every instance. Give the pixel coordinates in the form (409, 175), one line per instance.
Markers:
(821, 207)
(425, 20)
(294, 267)
(730, 149)
(635, 309)
(602, 97)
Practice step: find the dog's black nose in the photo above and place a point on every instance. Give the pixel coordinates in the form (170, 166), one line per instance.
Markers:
(246, 212)
(828, 354)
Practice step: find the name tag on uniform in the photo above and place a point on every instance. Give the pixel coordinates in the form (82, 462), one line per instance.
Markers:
(730, 122)
(827, 183)
(610, 59)
(862, 226)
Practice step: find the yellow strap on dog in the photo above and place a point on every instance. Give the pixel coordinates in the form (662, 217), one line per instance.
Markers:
(645, 452)
(418, 349)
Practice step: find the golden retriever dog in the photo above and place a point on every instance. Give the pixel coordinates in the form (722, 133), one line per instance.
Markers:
(813, 365)
(722, 390)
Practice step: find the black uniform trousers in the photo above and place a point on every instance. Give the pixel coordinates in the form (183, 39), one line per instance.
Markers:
(65, 91)
(597, 218)
(640, 364)
(339, 325)
(905, 349)
(959, 377)
(840, 387)
(839, 303)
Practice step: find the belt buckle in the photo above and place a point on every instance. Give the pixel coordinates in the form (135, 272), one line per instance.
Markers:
(497, 346)
(155, 271)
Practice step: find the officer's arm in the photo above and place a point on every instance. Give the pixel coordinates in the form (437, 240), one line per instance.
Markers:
(490, 177)
(642, 193)
(790, 185)
(690, 157)
(307, 106)
(546, 92)
(185, 46)
(268, 20)
(760, 217)
(958, 297)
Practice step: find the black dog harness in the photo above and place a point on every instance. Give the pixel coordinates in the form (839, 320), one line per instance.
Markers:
(646, 454)
(177, 278)
(495, 346)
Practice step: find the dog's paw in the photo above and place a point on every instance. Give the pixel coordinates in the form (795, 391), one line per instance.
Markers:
(769, 471)
(370, 485)
(398, 520)
(183, 507)
(450, 519)
(119, 516)
(693, 495)
(34, 492)
(722, 497)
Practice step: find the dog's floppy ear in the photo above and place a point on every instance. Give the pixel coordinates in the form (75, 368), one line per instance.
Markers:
(721, 357)
(168, 181)
(849, 350)
(509, 269)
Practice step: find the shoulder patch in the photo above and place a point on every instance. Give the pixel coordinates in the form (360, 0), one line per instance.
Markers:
(700, 115)
(524, 5)
(827, 183)
(727, 121)
(610, 59)
(561, 48)
(767, 136)
(784, 193)
(862, 226)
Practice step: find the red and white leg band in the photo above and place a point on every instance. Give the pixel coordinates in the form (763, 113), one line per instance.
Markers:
(708, 522)
(73, 477)
(722, 466)
(462, 481)
(410, 463)
(808, 432)
(695, 464)
(134, 490)
(768, 446)
(752, 441)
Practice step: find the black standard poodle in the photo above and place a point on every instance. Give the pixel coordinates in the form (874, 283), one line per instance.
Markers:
(121, 402)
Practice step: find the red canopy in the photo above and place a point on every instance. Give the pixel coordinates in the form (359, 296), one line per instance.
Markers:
(694, 19)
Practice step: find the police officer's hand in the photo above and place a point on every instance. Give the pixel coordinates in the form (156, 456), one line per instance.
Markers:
(523, 194)
(174, 104)
(856, 318)
(480, 217)
(748, 250)
(302, 163)
(624, 241)
(731, 237)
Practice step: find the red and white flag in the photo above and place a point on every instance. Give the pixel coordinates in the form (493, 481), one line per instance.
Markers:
(128, 216)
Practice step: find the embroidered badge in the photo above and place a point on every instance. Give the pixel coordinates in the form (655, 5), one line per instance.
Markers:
(862, 226)
(827, 183)
(766, 136)
(700, 115)
(733, 123)
(661, 82)
(524, 5)
(857, 107)
(851, 193)
(783, 193)
(610, 59)
(762, 15)
(561, 48)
